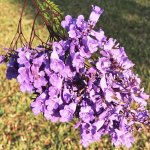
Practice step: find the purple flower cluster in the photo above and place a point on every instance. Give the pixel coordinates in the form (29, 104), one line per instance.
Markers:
(87, 76)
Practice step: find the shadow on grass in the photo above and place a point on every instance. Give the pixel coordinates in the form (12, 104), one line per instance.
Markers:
(29, 8)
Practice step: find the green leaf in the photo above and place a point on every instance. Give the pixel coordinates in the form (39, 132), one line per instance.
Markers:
(52, 17)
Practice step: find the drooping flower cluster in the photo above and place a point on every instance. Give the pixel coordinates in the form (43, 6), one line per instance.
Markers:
(87, 76)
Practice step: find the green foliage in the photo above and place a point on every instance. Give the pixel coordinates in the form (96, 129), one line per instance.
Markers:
(51, 15)
(49, 6)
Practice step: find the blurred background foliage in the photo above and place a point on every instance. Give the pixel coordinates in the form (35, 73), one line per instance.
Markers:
(128, 21)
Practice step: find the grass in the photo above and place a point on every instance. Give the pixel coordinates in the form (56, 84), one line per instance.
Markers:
(125, 20)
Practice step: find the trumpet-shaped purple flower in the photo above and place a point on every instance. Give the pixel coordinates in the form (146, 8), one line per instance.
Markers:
(86, 76)
(12, 70)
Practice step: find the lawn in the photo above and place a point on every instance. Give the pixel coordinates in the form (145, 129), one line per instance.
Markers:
(126, 20)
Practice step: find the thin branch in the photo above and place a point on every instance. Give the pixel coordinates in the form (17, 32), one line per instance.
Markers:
(19, 33)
